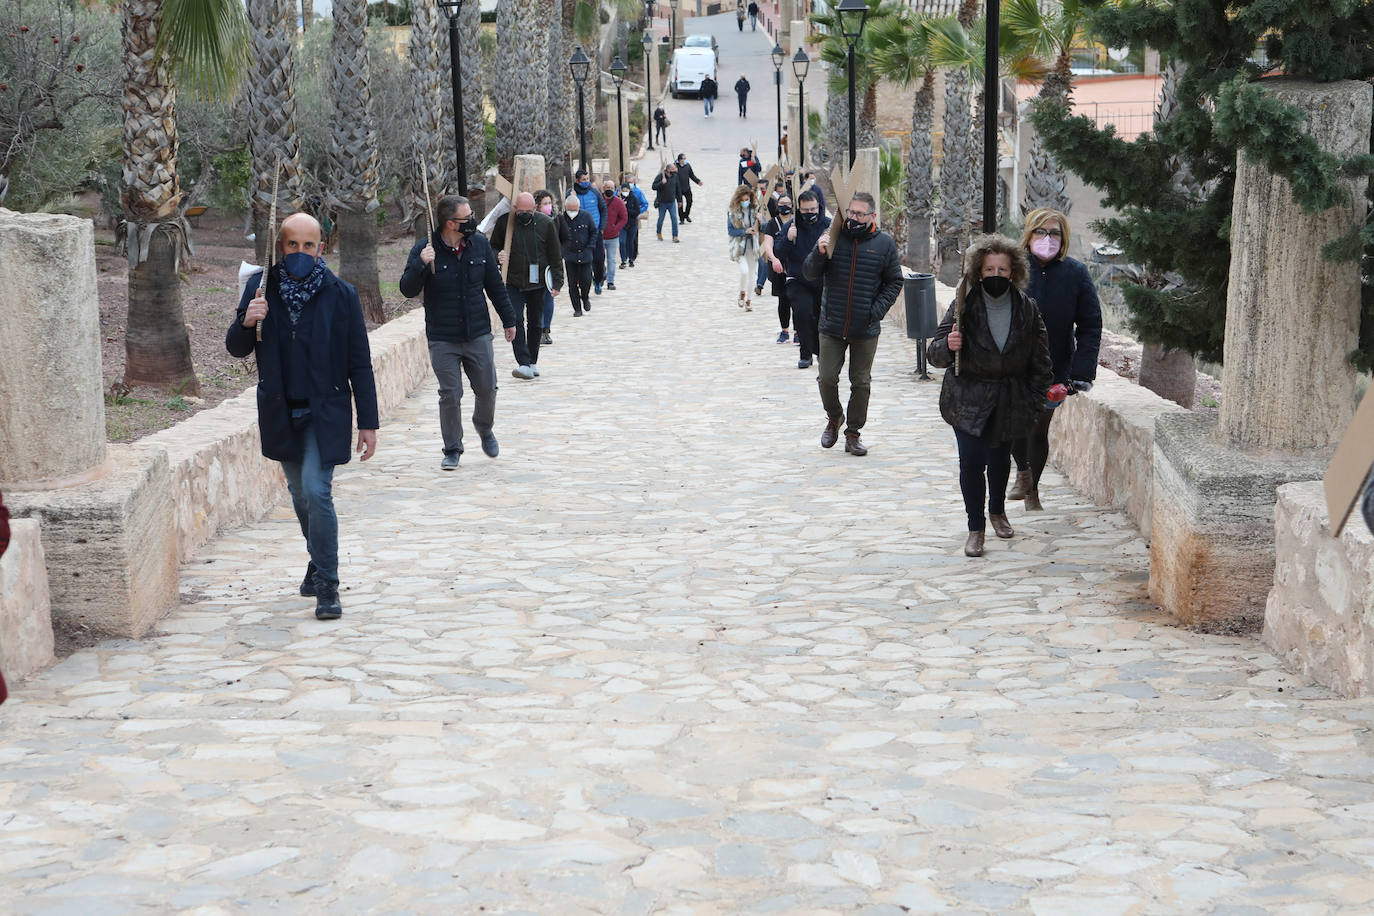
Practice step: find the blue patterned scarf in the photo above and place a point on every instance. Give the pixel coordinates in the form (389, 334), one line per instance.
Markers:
(296, 293)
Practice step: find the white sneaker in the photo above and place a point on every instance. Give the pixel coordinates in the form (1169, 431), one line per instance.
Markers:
(524, 372)
(534, 369)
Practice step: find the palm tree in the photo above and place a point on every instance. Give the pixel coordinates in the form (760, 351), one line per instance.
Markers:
(272, 135)
(353, 156)
(428, 89)
(835, 52)
(558, 140)
(902, 53)
(522, 111)
(1052, 35)
(956, 175)
(202, 43)
(474, 126)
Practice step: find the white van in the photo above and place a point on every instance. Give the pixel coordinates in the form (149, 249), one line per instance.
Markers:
(690, 67)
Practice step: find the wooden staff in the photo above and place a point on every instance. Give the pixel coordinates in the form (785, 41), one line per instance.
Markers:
(429, 211)
(271, 237)
(959, 322)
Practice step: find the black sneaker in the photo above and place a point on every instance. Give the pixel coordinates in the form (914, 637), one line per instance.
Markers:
(610, 286)
(308, 583)
(546, 341)
(327, 606)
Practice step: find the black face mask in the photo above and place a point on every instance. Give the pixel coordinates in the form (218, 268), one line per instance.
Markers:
(468, 226)
(808, 219)
(996, 287)
(609, 192)
(524, 219)
(784, 211)
(855, 228)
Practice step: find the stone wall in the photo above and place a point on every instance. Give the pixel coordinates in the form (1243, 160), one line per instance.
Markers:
(26, 640)
(1103, 444)
(1319, 618)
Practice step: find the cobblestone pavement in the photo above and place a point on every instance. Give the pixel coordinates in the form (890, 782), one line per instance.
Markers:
(666, 655)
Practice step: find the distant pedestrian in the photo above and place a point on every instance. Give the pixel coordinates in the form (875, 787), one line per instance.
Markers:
(708, 92)
(616, 219)
(739, 14)
(686, 175)
(748, 163)
(313, 360)
(665, 189)
(543, 202)
(862, 281)
(742, 226)
(770, 266)
(660, 125)
(1067, 298)
(577, 237)
(639, 212)
(792, 246)
(594, 205)
(536, 265)
(753, 16)
(742, 91)
(452, 269)
(1004, 376)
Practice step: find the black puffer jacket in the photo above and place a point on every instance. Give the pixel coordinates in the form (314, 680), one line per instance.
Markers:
(1068, 303)
(665, 187)
(578, 237)
(862, 280)
(997, 393)
(792, 252)
(454, 308)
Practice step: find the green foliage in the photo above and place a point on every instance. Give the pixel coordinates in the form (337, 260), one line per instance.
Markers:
(835, 48)
(389, 12)
(207, 43)
(892, 183)
(233, 172)
(586, 24)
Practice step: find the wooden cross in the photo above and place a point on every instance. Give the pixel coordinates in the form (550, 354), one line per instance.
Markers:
(529, 176)
(845, 184)
(1349, 468)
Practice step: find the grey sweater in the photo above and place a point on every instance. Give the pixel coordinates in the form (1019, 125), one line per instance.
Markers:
(999, 317)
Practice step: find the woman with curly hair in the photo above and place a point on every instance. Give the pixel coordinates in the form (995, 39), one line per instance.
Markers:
(995, 340)
(742, 224)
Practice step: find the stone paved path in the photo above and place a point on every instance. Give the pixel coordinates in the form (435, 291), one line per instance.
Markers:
(666, 655)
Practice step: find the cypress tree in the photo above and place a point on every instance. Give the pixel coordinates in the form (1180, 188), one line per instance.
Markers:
(1173, 188)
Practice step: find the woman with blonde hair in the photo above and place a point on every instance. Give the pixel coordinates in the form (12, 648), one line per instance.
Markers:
(995, 341)
(1067, 297)
(742, 225)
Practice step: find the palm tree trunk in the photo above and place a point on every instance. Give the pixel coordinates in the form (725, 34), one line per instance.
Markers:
(427, 89)
(474, 126)
(956, 180)
(920, 184)
(272, 135)
(157, 347)
(358, 260)
(307, 14)
(867, 126)
(522, 60)
(1046, 181)
(561, 103)
(837, 125)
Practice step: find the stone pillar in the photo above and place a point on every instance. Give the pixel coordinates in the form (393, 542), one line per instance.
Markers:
(1287, 393)
(679, 30)
(1292, 317)
(50, 325)
(785, 14)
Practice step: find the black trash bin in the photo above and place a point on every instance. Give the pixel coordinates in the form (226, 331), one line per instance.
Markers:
(921, 317)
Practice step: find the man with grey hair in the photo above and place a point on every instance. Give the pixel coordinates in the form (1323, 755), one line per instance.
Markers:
(452, 268)
(536, 265)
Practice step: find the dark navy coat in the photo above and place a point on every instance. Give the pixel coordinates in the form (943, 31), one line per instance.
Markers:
(1068, 302)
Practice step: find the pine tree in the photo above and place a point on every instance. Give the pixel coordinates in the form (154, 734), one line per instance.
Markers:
(1173, 188)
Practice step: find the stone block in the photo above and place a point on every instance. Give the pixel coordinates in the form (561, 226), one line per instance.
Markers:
(50, 323)
(26, 639)
(1212, 524)
(110, 544)
(400, 358)
(1319, 619)
(1103, 442)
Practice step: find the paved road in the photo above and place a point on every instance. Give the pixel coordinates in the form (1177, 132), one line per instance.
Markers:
(666, 655)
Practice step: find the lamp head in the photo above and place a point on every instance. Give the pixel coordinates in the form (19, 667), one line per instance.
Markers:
(800, 63)
(618, 69)
(778, 55)
(580, 65)
(852, 14)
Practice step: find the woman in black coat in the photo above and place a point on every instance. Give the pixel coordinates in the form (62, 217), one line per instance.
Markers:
(1002, 380)
(1067, 298)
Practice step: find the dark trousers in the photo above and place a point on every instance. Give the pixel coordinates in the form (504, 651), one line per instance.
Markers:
(860, 352)
(599, 260)
(743, 99)
(1034, 450)
(529, 332)
(629, 240)
(450, 360)
(784, 308)
(806, 309)
(579, 284)
(686, 208)
(660, 132)
(979, 458)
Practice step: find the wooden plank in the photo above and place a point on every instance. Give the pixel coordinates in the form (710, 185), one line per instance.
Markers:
(1350, 465)
(845, 184)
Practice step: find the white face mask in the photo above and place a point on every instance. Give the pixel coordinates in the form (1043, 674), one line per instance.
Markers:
(571, 214)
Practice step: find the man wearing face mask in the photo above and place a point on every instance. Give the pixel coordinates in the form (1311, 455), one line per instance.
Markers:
(577, 238)
(616, 219)
(770, 265)
(665, 189)
(791, 246)
(635, 204)
(862, 281)
(452, 269)
(594, 205)
(536, 265)
(312, 358)
(686, 175)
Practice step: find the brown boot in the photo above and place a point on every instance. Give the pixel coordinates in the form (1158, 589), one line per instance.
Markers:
(1020, 486)
(831, 434)
(1033, 501)
(854, 446)
(1000, 525)
(973, 547)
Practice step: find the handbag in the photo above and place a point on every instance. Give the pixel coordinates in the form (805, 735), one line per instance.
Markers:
(667, 123)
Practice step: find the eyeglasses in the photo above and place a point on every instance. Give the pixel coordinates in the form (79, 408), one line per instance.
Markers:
(857, 214)
(1046, 234)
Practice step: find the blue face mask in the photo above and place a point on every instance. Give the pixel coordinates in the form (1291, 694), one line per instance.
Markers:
(298, 264)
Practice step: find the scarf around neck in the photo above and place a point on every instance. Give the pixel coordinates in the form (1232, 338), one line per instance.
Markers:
(296, 293)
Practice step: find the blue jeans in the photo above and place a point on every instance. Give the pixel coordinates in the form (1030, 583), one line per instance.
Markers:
(312, 496)
(548, 310)
(667, 210)
(708, 103)
(612, 257)
(978, 457)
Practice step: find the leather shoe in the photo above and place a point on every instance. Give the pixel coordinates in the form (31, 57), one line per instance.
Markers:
(973, 547)
(853, 446)
(489, 446)
(831, 434)
(327, 606)
(1033, 501)
(308, 583)
(1000, 525)
(450, 462)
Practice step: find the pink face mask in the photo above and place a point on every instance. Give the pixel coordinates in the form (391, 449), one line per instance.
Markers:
(1044, 249)
(546, 209)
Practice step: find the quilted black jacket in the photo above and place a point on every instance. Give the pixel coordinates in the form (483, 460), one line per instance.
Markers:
(862, 280)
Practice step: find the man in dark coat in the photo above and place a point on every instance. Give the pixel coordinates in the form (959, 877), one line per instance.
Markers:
(452, 268)
(577, 237)
(791, 247)
(686, 175)
(742, 92)
(862, 281)
(708, 92)
(665, 188)
(312, 358)
(536, 266)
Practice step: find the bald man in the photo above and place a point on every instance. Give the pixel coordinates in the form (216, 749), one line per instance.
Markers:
(312, 357)
(536, 266)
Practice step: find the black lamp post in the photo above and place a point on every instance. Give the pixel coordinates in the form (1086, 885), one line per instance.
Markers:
(453, 8)
(990, 106)
(618, 77)
(648, 40)
(778, 55)
(852, 14)
(672, 25)
(800, 64)
(580, 65)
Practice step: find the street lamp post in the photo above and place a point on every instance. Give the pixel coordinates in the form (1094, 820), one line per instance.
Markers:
(800, 64)
(453, 8)
(648, 40)
(580, 65)
(853, 14)
(618, 77)
(672, 26)
(990, 106)
(778, 55)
